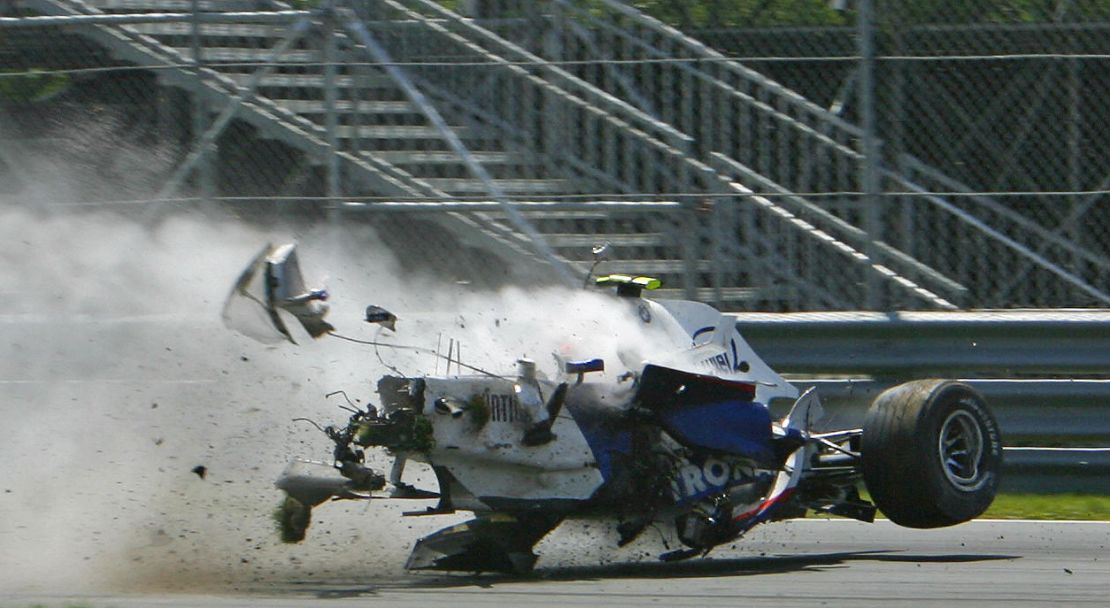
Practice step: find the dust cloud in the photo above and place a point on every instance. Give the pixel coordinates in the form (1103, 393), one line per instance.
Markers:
(119, 379)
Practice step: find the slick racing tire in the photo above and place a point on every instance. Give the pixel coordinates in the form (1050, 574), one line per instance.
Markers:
(931, 453)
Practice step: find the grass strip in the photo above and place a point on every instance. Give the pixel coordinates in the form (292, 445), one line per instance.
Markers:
(1050, 506)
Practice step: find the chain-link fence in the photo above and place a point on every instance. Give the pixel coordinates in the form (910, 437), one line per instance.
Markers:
(760, 155)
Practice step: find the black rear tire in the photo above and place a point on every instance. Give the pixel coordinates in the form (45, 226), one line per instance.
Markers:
(931, 453)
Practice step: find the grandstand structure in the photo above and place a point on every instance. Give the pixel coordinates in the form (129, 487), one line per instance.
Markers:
(537, 134)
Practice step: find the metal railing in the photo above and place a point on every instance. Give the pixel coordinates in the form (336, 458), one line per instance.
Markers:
(776, 140)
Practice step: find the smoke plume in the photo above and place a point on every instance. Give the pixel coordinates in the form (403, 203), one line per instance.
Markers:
(120, 383)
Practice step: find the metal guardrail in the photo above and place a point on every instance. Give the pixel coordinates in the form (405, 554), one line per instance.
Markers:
(996, 344)
(1035, 412)
(1033, 415)
(1045, 374)
(1050, 470)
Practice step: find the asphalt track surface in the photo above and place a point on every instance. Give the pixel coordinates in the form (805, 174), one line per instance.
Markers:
(796, 563)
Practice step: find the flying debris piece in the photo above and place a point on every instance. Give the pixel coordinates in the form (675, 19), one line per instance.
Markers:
(272, 284)
(673, 433)
(381, 316)
(601, 253)
(200, 470)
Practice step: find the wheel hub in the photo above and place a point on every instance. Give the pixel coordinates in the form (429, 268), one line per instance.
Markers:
(960, 447)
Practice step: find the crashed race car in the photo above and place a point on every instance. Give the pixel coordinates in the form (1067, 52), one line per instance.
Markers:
(685, 441)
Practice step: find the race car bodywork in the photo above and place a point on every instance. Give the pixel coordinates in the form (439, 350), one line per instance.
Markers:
(684, 440)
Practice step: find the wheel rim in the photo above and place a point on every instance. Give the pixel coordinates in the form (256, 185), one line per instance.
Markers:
(960, 448)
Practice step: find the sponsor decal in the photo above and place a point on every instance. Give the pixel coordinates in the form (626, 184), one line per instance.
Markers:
(717, 362)
(712, 475)
(724, 363)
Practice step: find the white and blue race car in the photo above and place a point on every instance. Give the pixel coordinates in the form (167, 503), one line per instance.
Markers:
(685, 440)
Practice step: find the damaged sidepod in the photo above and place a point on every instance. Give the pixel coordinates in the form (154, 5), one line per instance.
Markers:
(684, 441)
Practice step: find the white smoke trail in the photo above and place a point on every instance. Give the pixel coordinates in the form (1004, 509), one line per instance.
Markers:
(119, 380)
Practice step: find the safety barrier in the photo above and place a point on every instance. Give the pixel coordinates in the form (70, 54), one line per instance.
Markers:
(1045, 374)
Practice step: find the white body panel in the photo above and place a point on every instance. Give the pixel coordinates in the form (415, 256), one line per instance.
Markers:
(716, 347)
(490, 459)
